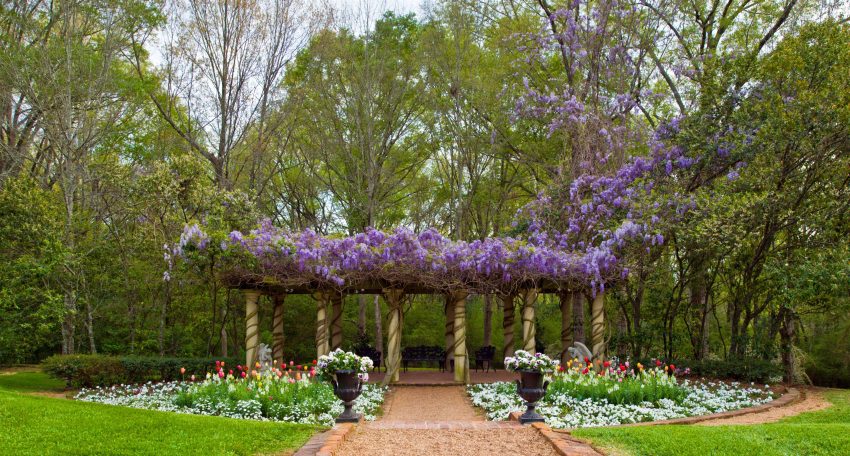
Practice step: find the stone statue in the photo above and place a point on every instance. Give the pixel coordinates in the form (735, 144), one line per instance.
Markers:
(580, 351)
(264, 357)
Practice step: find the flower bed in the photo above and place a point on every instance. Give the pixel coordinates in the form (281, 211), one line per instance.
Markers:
(290, 395)
(617, 394)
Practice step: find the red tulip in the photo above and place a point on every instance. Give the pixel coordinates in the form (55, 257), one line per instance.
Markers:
(243, 374)
(607, 364)
(657, 363)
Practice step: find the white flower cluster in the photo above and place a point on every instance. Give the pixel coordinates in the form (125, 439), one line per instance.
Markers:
(338, 359)
(523, 360)
(164, 397)
(563, 411)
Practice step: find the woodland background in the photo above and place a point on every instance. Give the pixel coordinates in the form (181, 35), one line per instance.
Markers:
(122, 121)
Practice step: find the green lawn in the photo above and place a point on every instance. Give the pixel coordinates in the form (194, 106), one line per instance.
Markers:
(826, 432)
(42, 425)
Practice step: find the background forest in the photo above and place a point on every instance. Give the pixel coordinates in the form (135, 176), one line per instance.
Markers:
(122, 121)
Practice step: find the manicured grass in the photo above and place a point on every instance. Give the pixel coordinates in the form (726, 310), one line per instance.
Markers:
(41, 425)
(825, 432)
(29, 382)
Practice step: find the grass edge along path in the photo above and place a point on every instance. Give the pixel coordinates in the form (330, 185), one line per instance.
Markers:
(824, 432)
(41, 425)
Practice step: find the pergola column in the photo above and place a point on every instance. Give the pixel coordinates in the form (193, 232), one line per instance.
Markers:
(508, 311)
(450, 331)
(321, 298)
(336, 321)
(393, 297)
(597, 329)
(529, 331)
(252, 327)
(277, 327)
(461, 358)
(566, 303)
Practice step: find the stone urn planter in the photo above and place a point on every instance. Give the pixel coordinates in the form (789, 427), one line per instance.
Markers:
(347, 387)
(531, 388)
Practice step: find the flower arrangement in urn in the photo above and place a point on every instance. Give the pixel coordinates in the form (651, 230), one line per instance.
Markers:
(346, 372)
(531, 387)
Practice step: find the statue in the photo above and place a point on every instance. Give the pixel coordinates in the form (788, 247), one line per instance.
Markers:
(264, 357)
(580, 351)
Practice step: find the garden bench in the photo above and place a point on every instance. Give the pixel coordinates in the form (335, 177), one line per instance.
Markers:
(484, 358)
(373, 354)
(424, 354)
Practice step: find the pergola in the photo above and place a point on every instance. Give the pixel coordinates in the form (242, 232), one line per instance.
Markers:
(274, 262)
(329, 303)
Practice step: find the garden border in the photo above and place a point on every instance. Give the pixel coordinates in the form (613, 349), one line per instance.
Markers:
(790, 396)
(327, 443)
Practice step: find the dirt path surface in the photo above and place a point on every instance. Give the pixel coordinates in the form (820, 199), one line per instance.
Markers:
(428, 403)
(812, 401)
(439, 421)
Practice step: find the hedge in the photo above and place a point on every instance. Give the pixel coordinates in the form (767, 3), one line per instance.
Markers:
(89, 371)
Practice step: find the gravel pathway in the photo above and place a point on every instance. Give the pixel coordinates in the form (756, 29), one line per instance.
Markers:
(428, 403)
(439, 421)
(445, 442)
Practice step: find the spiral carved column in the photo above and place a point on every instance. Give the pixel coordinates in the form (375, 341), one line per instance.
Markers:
(566, 302)
(461, 358)
(450, 331)
(529, 296)
(336, 321)
(597, 321)
(277, 328)
(321, 298)
(393, 297)
(508, 311)
(252, 327)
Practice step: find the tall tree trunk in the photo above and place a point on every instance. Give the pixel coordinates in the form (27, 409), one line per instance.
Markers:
(224, 330)
(361, 316)
(488, 319)
(90, 327)
(163, 318)
(787, 332)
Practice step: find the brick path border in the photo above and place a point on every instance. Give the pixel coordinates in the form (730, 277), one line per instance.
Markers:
(328, 442)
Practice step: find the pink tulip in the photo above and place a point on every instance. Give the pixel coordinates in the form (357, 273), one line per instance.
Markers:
(182, 370)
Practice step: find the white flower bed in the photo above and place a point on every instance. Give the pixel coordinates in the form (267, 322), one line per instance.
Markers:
(163, 397)
(563, 411)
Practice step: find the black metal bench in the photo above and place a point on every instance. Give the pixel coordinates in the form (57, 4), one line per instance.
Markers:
(484, 358)
(424, 354)
(373, 354)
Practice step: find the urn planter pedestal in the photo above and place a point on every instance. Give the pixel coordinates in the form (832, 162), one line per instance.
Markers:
(347, 387)
(531, 388)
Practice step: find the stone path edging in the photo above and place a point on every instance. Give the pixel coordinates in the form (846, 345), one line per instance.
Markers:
(328, 442)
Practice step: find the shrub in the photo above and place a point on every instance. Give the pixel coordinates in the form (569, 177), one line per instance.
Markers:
(101, 370)
(744, 369)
